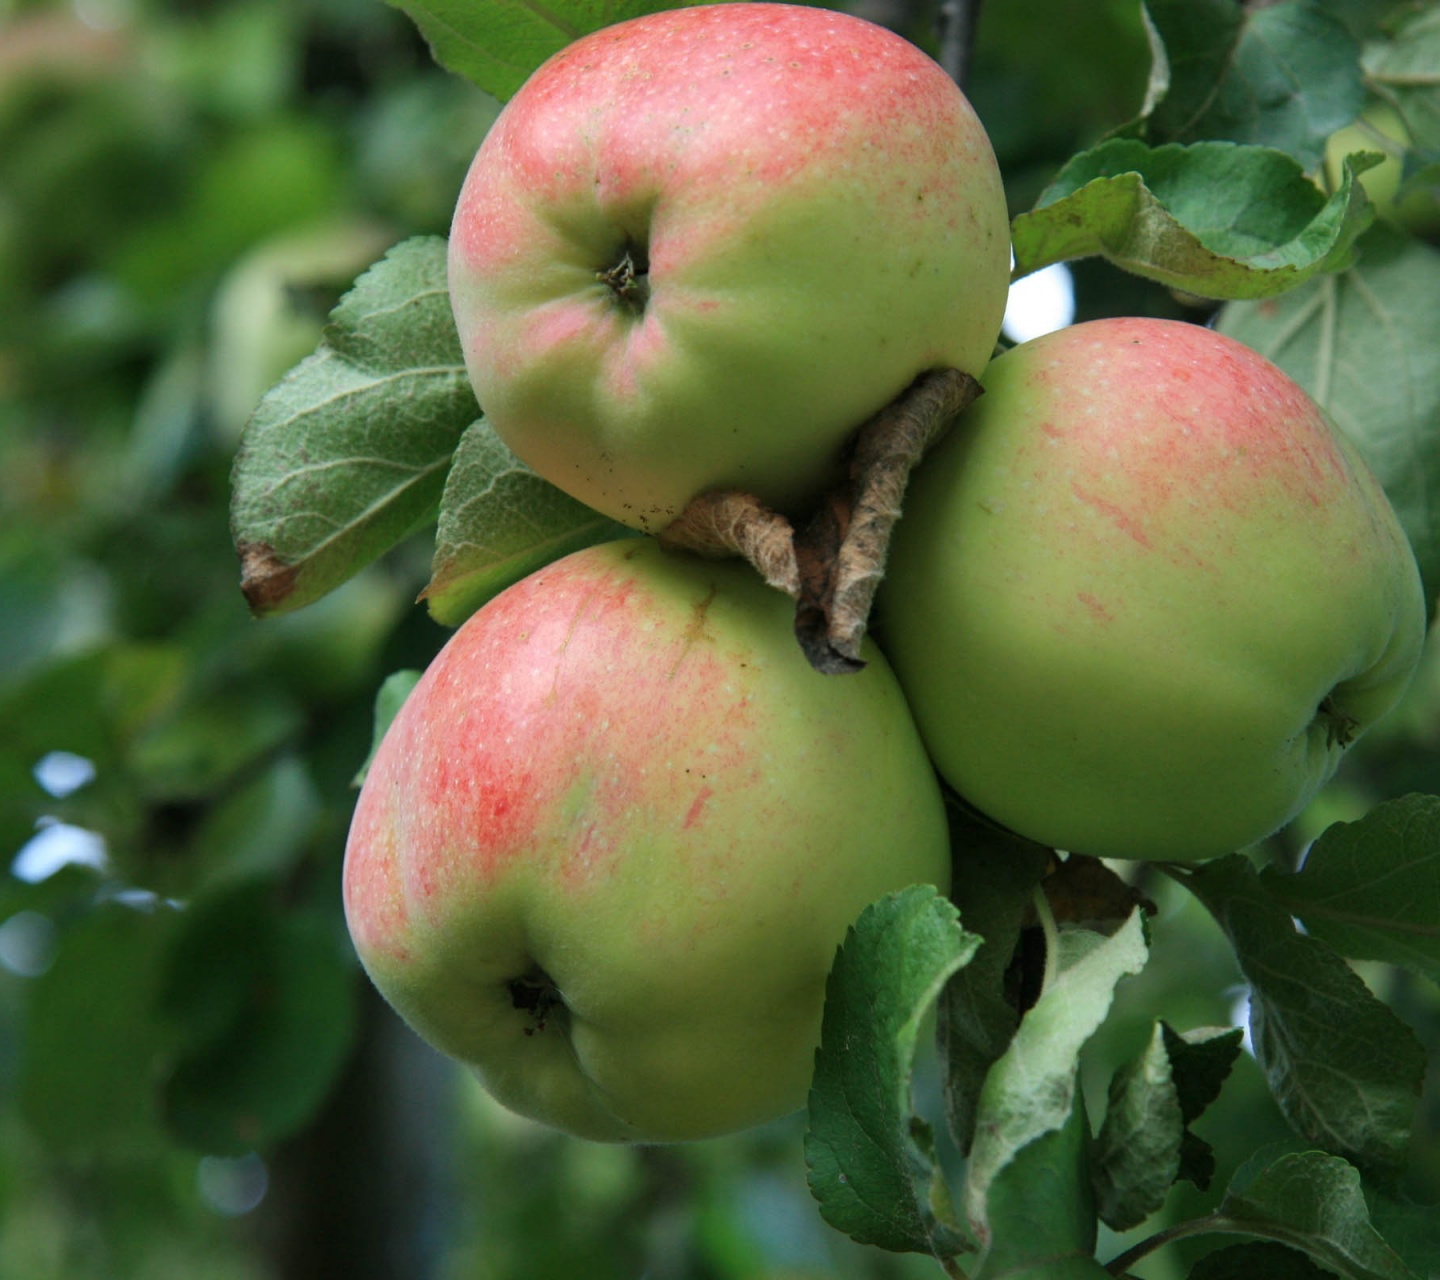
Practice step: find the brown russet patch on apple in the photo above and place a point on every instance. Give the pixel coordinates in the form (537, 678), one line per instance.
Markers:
(265, 580)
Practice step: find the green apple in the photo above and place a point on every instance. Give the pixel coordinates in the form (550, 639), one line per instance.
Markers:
(699, 248)
(608, 847)
(1382, 129)
(1144, 595)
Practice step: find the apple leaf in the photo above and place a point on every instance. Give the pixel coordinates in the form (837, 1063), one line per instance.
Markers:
(97, 993)
(497, 44)
(1284, 76)
(498, 522)
(1362, 344)
(1345, 1071)
(871, 1161)
(1040, 1210)
(1246, 1261)
(263, 1003)
(1191, 46)
(1200, 1062)
(995, 876)
(347, 454)
(1405, 69)
(1313, 1201)
(1137, 1151)
(1412, 1230)
(1019, 1213)
(1083, 891)
(389, 698)
(1145, 1143)
(1215, 219)
(1371, 888)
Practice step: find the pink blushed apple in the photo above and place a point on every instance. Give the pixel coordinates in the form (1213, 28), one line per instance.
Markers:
(1144, 594)
(607, 849)
(698, 249)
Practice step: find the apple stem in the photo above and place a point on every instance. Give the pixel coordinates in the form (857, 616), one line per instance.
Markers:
(951, 1266)
(842, 551)
(1052, 938)
(726, 522)
(834, 564)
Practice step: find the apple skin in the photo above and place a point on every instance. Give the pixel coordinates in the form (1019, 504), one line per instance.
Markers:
(822, 219)
(1382, 129)
(1143, 593)
(621, 773)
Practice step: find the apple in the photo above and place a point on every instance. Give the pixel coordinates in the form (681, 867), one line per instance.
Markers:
(1381, 128)
(698, 249)
(1144, 595)
(606, 850)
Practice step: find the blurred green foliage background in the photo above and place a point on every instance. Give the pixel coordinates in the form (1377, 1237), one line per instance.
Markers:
(195, 1078)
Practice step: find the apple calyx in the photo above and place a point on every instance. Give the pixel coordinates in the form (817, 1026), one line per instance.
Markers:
(629, 277)
(1340, 729)
(534, 992)
(832, 565)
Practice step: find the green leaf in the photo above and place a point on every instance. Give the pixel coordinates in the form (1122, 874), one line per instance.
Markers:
(260, 829)
(1406, 70)
(1032, 1093)
(1200, 1061)
(497, 44)
(1371, 889)
(1412, 1230)
(1041, 1209)
(1313, 1201)
(1362, 344)
(210, 737)
(1367, 19)
(1284, 76)
(1215, 219)
(1137, 1151)
(1191, 44)
(90, 1039)
(498, 522)
(871, 1161)
(347, 454)
(1145, 1144)
(1248, 1261)
(1345, 1071)
(263, 1004)
(995, 876)
(389, 698)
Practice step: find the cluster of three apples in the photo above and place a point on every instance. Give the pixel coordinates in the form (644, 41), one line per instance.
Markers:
(607, 849)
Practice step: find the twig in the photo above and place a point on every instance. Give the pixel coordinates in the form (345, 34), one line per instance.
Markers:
(833, 565)
(958, 22)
